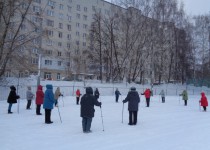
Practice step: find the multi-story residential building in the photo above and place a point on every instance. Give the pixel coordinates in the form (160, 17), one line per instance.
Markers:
(64, 26)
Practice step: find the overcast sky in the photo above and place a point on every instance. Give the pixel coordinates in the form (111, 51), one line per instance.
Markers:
(195, 7)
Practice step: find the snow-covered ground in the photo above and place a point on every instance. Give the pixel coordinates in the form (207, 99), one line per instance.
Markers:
(168, 126)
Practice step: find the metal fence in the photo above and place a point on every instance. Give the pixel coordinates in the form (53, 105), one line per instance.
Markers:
(104, 91)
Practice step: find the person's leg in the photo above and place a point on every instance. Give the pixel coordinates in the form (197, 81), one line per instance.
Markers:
(77, 100)
(9, 108)
(28, 104)
(38, 107)
(135, 117)
(147, 102)
(88, 125)
(204, 108)
(84, 123)
(48, 116)
(117, 97)
(163, 99)
(130, 118)
(185, 102)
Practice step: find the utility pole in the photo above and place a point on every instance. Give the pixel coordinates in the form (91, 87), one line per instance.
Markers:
(40, 49)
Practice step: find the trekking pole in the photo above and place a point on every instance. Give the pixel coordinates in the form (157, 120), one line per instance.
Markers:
(102, 119)
(102, 116)
(122, 112)
(59, 113)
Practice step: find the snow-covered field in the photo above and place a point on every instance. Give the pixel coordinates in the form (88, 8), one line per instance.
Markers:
(168, 126)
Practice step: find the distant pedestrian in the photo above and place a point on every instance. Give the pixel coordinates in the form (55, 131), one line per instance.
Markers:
(162, 94)
(48, 103)
(39, 99)
(12, 98)
(78, 94)
(29, 97)
(203, 101)
(147, 94)
(133, 100)
(96, 93)
(87, 109)
(56, 96)
(117, 94)
(184, 97)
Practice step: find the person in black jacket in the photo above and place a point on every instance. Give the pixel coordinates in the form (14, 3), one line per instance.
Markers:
(117, 94)
(12, 98)
(96, 93)
(133, 100)
(87, 109)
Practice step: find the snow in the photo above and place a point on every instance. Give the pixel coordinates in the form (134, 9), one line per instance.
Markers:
(162, 126)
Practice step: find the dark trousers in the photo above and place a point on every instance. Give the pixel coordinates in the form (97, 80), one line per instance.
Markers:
(38, 107)
(147, 101)
(9, 107)
(28, 104)
(117, 97)
(163, 99)
(86, 124)
(132, 117)
(185, 102)
(47, 115)
(77, 99)
(204, 108)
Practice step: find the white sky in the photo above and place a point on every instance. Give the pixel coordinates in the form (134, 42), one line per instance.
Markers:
(194, 7)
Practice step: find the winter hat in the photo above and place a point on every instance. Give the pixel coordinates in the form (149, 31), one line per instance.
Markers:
(12, 87)
(133, 88)
(89, 90)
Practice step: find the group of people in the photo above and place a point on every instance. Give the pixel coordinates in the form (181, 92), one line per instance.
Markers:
(88, 101)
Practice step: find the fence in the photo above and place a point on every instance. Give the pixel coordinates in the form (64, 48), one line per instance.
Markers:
(104, 91)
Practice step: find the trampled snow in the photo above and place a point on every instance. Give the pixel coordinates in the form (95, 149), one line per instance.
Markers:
(162, 126)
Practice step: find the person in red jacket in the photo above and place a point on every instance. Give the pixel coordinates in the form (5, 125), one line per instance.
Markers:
(203, 101)
(147, 94)
(78, 94)
(39, 99)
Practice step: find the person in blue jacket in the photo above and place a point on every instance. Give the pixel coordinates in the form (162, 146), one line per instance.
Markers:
(133, 100)
(117, 94)
(48, 103)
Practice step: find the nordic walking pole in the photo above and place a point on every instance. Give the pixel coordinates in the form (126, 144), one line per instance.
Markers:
(102, 116)
(59, 113)
(122, 112)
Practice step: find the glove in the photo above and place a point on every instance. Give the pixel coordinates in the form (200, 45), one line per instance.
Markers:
(123, 101)
(100, 104)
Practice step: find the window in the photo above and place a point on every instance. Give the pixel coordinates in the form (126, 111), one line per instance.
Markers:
(78, 16)
(61, 7)
(85, 9)
(60, 34)
(34, 60)
(35, 50)
(61, 16)
(77, 25)
(69, 27)
(58, 76)
(23, 27)
(50, 23)
(59, 63)
(77, 33)
(36, 41)
(21, 37)
(49, 42)
(69, 36)
(77, 43)
(68, 45)
(50, 13)
(85, 17)
(49, 33)
(69, 18)
(84, 26)
(51, 3)
(36, 9)
(48, 62)
(48, 52)
(84, 35)
(37, 1)
(78, 7)
(60, 25)
(84, 44)
(94, 8)
(59, 44)
(69, 8)
(47, 75)
(59, 53)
